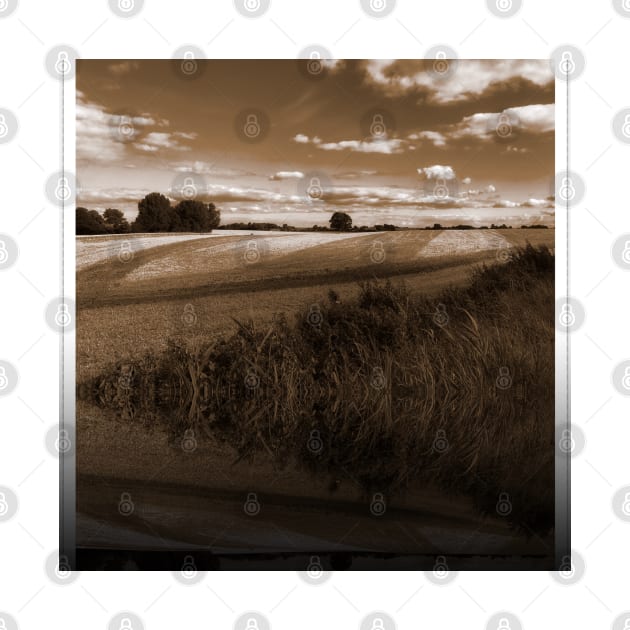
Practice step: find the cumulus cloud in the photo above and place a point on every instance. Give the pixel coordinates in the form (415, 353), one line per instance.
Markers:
(437, 171)
(490, 189)
(468, 78)
(124, 67)
(209, 169)
(466, 181)
(103, 136)
(436, 138)
(376, 145)
(280, 175)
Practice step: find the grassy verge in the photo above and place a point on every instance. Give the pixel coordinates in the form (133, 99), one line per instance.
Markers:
(387, 390)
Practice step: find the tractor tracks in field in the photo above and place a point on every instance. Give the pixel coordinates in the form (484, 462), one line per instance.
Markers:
(93, 294)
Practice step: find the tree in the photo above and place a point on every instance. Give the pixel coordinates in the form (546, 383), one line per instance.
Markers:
(116, 222)
(215, 216)
(340, 221)
(154, 214)
(195, 216)
(90, 222)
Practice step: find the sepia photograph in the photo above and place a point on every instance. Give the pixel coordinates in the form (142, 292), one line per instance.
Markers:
(315, 314)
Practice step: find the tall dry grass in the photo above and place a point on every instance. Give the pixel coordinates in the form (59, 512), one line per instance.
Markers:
(387, 390)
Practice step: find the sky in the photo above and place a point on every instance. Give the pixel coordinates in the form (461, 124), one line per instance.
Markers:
(408, 142)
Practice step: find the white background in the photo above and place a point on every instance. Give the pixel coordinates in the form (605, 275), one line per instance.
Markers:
(26, 414)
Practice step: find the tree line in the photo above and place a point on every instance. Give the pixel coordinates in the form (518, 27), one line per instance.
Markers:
(155, 214)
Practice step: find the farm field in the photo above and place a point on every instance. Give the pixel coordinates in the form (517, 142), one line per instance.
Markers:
(197, 289)
(195, 286)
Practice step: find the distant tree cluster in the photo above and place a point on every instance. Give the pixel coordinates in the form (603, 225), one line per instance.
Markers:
(155, 214)
(340, 222)
(112, 221)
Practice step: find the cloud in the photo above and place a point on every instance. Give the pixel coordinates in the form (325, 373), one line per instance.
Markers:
(532, 119)
(437, 171)
(466, 79)
(436, 138)
(376, 145)
(200, 167)
(106, 137)
(281, 175)
(124, 67)
(490, 189)
(157, 140)
(466, 181)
